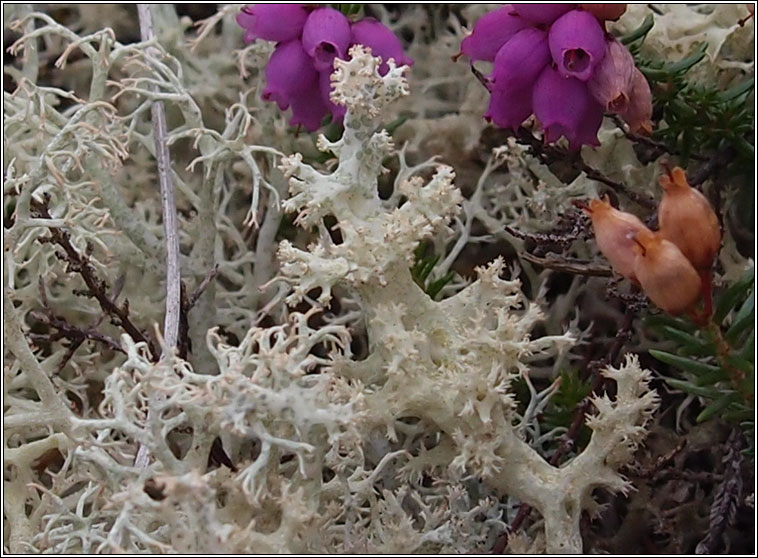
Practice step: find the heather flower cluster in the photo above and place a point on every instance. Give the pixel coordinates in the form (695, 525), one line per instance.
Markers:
(308, 40)
(556, 61)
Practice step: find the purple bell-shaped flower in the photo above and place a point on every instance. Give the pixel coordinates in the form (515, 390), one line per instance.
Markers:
(577, 43)
(382, 42)
(326, 36)
(565, 107)
(272, 22)
(491, 32)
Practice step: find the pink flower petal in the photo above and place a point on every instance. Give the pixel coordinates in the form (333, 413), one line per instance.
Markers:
(308, 107)
(272, 22)
(577, 43)
(326, 36)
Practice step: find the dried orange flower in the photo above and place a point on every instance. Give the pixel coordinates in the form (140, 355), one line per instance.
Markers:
(687, 219)
(614, 234)
(665, 274)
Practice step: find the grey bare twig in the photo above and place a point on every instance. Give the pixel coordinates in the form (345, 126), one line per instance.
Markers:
(170, 224)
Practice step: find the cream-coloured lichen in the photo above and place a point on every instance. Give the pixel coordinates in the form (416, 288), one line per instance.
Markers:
(447, 363)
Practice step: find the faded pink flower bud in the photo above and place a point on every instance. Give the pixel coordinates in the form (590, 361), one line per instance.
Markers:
(605, 12)
(611, 84)
(639, 110)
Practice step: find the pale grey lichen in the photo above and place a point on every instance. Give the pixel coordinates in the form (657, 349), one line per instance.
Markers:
(415, 446)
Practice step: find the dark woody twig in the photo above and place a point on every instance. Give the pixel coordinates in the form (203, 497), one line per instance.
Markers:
(662, 461)
(658, 145)
(200, 289)
(96, 288)
(569, 265)
(725, 502)
(184, 345)
(552, 152)
(548, 238)
(71, 332)
(76, 336)
(715, 163)
(705, 477)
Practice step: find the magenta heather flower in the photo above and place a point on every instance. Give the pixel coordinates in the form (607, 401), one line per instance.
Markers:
(272, 22)
(509, 108)
(310, 107)
(541, 14)
(556, 62)
(309, 39)
(517, 65)
(289, 72)
(326, 36)
(491, 32)
(382, 41)
(566, 108)
(521, 60)
(577, 43)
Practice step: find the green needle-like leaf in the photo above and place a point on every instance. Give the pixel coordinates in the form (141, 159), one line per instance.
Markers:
(641, 32)
(683, 363)
(718, 405)
(733, 295)
(689, 387)
(744, 318)
(689, 344)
